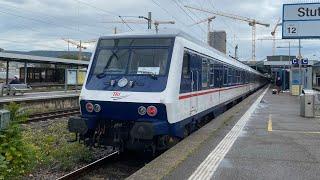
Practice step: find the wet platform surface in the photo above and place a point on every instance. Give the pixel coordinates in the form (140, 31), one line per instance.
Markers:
(275, 143)
(39, 96)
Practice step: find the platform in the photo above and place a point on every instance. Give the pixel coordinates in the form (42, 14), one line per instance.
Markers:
(263, 137)
(39, 96)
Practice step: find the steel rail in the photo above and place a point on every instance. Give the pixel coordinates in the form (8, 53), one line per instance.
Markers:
(52, 115)
(77, 173)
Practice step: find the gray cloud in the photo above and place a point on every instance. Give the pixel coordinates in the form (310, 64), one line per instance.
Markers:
(39, 24)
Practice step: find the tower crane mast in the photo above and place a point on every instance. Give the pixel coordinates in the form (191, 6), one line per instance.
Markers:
(79, 45)
(209, 20)
(273, 33)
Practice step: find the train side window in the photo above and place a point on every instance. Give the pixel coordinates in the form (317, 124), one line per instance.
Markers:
(218, 74)
(234, 76)
(242, 77)
(211, 74)
(247, 76)
(225, 75)
(230, 76)
(204, 75)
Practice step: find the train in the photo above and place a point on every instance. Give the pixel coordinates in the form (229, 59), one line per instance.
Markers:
(148, 90)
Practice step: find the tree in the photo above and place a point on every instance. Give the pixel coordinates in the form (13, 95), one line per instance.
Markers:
(69, 56)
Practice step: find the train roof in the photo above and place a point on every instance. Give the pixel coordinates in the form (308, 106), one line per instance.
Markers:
(179, 33)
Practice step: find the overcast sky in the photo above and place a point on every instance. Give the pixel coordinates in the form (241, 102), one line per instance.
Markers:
(40, 24)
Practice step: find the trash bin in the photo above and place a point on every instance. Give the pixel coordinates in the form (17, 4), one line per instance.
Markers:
(1, 88)
(307, 104)
(317, 104)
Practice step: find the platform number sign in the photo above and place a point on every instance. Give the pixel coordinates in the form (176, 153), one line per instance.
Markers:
(301, 21)
(292, 29)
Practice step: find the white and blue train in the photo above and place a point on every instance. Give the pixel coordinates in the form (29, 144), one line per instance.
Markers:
(149, 89)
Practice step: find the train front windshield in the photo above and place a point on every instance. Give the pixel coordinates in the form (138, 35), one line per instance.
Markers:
(144, 61)
(132, 57)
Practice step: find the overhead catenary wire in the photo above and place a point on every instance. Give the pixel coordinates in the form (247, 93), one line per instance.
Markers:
(169, 13)
(105, 11)
(185, 12)
(124, 22)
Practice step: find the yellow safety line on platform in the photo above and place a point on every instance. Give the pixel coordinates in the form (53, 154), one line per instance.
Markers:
(299, 132)
(270, 123)
(269, 128)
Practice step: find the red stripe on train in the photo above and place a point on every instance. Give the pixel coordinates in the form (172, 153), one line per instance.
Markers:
(208, 92)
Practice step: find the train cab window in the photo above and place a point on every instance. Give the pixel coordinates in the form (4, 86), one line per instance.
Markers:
(145, 61)
(185, 84)
(186, 65)
(205, 70)
(111, 61)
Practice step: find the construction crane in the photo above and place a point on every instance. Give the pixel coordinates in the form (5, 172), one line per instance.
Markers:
(273, 33)
(79, 45)
(209, 20)
(252, 23)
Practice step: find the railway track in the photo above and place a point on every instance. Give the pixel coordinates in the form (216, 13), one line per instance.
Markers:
(51, 115)
(94, 165)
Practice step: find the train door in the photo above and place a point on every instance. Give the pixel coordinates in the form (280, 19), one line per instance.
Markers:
(218, 78)
(195, 69)
(218, 75)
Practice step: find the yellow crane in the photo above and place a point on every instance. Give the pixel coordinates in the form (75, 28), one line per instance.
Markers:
(79, 45)
(252, 22)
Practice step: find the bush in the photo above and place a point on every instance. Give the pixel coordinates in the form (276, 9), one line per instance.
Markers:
(16, 156)
(53, 150)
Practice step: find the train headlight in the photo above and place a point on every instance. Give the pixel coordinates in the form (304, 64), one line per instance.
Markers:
(89, 107)
(142, 110)
(152, 111)
(97, 108)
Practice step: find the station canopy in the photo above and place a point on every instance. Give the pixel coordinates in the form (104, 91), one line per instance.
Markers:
(40, 59)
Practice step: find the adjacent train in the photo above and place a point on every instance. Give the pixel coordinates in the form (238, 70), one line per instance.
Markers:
(149, 90)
